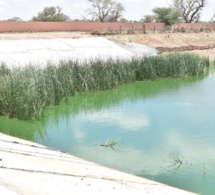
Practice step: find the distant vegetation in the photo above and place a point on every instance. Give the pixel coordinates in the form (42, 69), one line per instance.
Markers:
(26, 92)
(191, 10)
(188, 11)
(169, 16)
(105, 11)
(51, 14)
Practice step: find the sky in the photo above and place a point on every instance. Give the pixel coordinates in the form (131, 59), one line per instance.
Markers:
(75, 9)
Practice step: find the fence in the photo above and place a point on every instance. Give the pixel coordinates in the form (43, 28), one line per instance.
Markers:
(118, 27)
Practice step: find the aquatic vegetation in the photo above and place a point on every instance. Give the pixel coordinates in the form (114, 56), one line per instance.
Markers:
(173, 65)
(26, 92)
(205, 171)
(177, 162)
(112, 144)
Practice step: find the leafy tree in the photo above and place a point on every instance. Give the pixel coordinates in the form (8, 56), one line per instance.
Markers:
(15, 19)
(148, 18)
(105, 10)
(51, 14)
(123, 20)
(190, 9)
(169, 16)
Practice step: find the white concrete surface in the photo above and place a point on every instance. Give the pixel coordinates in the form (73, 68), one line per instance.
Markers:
(30, 169)
(40, 51)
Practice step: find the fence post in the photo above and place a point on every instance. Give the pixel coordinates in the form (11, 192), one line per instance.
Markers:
(144, 29)
(154, 29)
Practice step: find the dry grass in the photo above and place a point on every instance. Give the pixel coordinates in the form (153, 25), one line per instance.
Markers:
(168, 40)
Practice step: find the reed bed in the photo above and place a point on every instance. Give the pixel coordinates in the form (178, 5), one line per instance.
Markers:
(26, 92)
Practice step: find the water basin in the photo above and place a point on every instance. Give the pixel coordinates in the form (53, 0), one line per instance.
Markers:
(163, 130)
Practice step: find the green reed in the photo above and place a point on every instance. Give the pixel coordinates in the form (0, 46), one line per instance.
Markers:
(26, 92)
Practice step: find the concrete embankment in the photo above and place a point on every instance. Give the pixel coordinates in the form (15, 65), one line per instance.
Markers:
(29, 168)
(40, 52)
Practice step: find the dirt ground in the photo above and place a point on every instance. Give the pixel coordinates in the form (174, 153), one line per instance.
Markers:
(168, 40)
(173, 40)
(152, 40)
(43, 35)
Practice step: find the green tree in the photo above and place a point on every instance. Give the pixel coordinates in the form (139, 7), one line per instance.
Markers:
(15, 19)
(167, 15)
(51, 14)
(148, 18)
(105, 10)
(123, 20)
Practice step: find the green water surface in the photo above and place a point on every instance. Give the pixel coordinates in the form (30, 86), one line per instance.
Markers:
(165, 130)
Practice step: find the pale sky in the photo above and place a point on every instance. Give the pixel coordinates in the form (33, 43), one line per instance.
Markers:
(134, 9)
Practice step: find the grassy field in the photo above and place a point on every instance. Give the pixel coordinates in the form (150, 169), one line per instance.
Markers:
(26, 92)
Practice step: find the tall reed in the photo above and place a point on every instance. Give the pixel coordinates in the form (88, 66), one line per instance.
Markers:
(26, 92)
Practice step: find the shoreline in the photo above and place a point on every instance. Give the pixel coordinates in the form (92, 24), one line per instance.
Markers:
(30, 168)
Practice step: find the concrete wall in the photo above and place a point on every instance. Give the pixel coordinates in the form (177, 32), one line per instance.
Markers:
(94, 26)
(75, 26)
(197, 25)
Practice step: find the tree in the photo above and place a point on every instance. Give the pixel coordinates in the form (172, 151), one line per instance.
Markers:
(169, 16)
(213, 18)
(105, 10)
(51, 14)
(148, 18)
(123, 20)
(190, 9)
(15, 19)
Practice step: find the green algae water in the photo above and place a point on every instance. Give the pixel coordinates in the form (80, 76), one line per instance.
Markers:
(164, 130)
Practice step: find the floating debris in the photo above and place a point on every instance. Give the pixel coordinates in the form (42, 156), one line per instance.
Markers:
(112, 144)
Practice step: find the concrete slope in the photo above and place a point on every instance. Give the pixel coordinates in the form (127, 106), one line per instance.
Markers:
(28, 168)
(41, 51)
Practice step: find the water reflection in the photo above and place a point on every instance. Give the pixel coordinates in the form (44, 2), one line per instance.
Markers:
(196, 171)
(124, 119)
(196, 158)
(28, 130)
(129, 93)
(166, 128)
